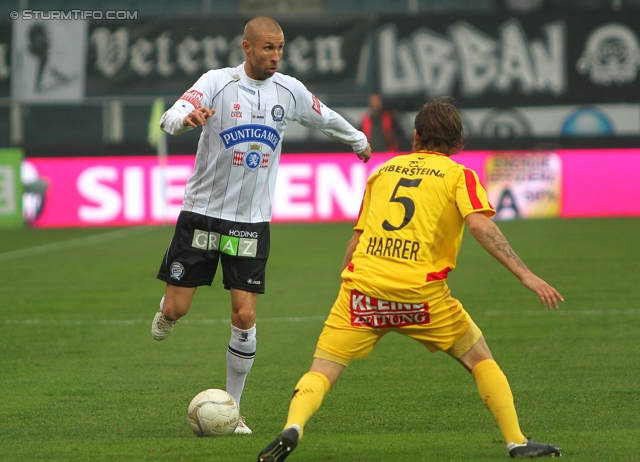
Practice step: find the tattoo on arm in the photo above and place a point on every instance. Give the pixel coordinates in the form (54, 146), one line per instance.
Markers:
(494, 236)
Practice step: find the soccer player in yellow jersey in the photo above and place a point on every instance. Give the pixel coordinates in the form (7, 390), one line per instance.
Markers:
(405, 243)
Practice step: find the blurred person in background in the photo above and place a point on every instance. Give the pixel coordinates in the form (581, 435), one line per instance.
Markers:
(405, 243)
(226, 210)
(381, 126)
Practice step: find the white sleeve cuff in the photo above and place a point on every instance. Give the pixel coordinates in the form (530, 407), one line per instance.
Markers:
(172, 122)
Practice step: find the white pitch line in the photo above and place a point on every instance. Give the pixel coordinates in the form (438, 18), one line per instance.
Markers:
(132, 322)
(560, 312)
(52, 247)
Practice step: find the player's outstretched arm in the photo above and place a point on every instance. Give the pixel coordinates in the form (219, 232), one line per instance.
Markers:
(198, 117)
(175, 122)
(491, 238)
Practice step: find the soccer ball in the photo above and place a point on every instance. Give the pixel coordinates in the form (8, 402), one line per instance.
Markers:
(213, 412)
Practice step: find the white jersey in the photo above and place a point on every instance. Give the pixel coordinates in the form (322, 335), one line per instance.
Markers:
(238, 153)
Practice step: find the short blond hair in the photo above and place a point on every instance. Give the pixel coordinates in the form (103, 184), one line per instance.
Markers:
(258, 25)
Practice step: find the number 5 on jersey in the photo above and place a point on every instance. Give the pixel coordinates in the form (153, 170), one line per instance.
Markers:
(407, 202)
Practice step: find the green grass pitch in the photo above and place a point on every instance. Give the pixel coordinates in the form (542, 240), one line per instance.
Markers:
(81, 378)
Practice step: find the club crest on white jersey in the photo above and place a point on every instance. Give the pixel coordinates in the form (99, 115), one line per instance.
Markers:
(277, 113)
(252, 159)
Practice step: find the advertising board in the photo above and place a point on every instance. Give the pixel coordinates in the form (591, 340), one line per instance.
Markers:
(126, 191)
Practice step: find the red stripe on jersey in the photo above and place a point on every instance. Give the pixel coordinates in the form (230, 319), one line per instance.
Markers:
(350, 267)
(471, 189)
(439, 275)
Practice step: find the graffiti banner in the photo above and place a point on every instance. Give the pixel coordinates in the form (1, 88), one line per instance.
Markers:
(166, 57)
(501, 59)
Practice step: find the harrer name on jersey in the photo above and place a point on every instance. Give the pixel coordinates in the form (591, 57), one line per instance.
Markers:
(393, 247)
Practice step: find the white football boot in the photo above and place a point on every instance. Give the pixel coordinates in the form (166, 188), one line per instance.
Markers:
(161, 327)
(242, 428)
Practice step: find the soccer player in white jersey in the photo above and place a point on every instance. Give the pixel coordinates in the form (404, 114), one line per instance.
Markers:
(243, 112)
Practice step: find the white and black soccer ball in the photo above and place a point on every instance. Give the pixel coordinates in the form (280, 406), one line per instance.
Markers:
(213, 412)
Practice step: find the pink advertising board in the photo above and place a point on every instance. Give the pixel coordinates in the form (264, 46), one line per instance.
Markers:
(125, 191)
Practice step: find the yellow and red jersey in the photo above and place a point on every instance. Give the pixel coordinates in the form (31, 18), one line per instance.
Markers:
(412, 219)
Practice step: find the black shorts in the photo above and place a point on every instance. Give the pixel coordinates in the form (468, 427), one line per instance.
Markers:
(200, 241)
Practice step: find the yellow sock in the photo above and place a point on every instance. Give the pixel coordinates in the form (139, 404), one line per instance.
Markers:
(307, 399)
(495, 392)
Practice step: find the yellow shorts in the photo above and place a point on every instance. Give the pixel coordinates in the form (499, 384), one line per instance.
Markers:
(357, 322)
